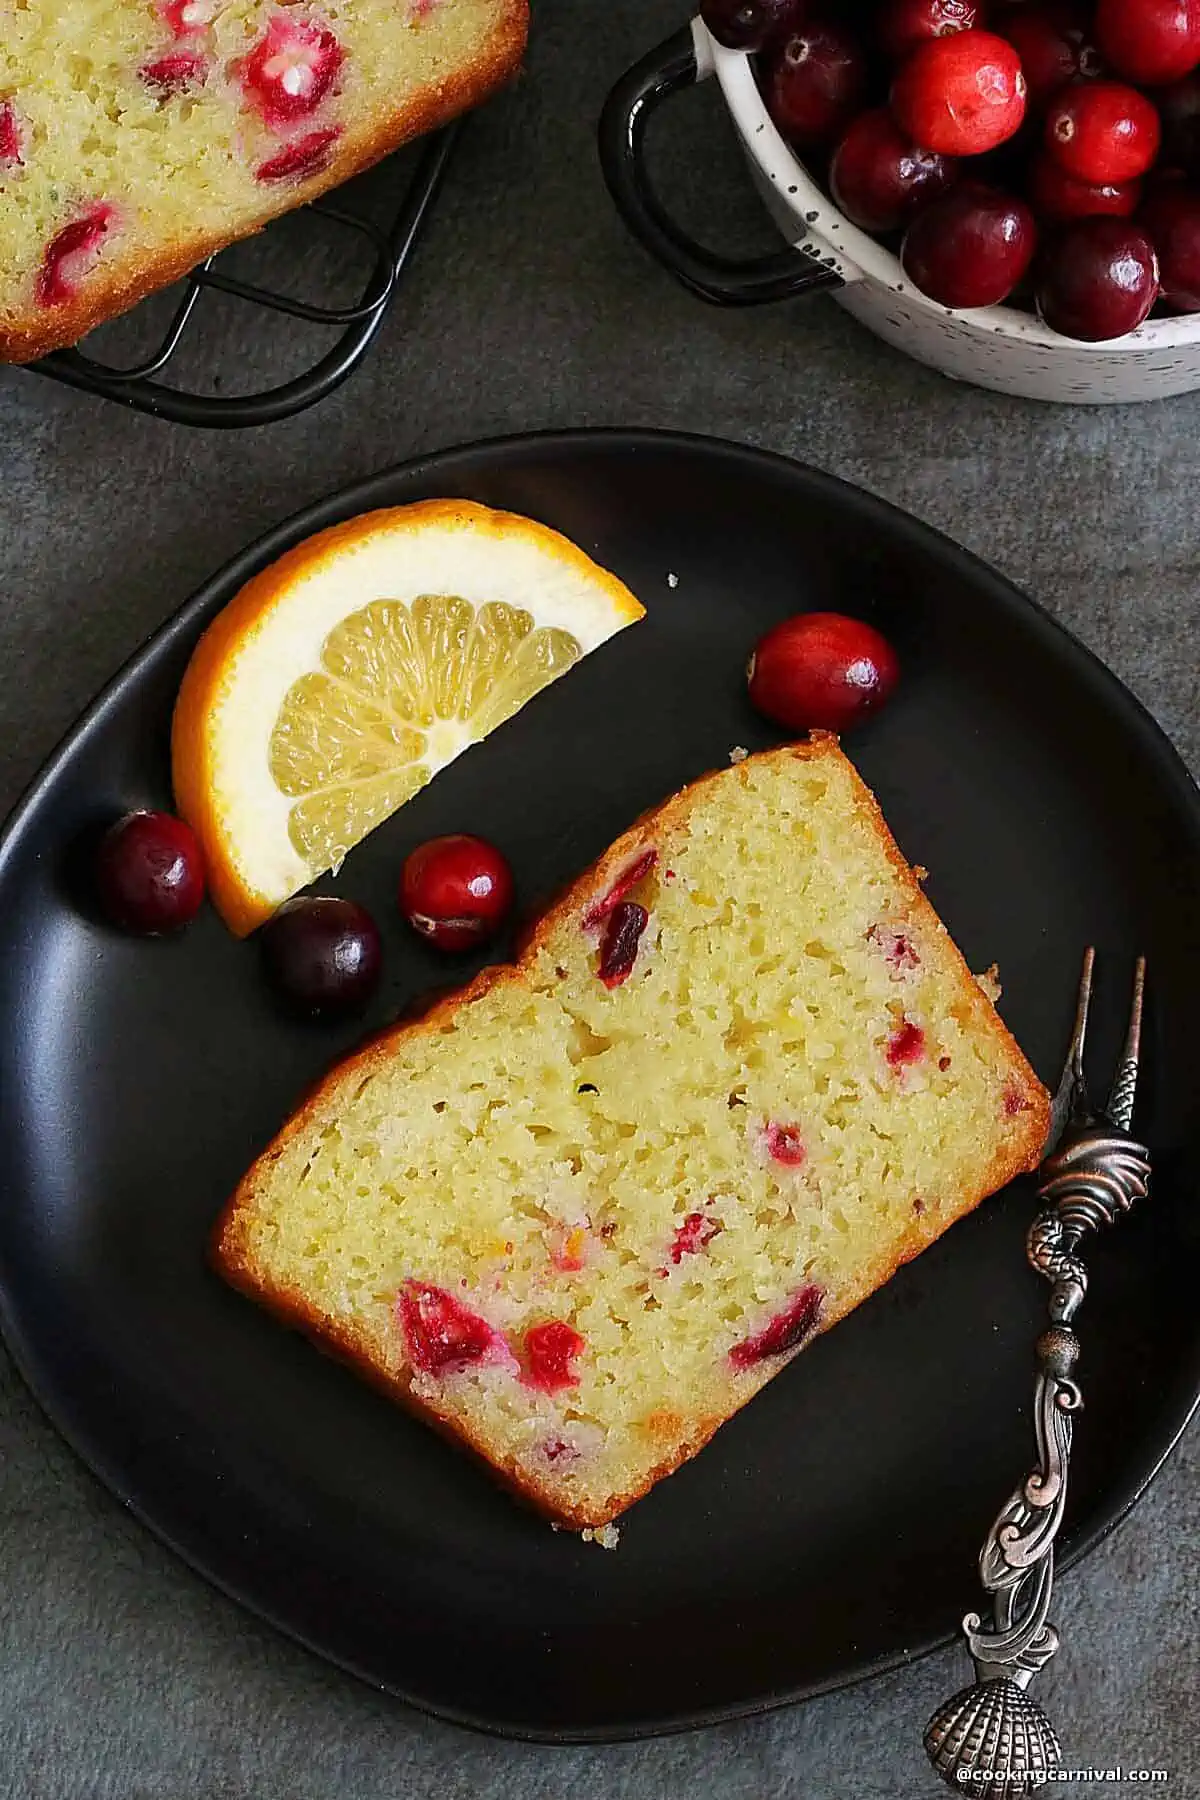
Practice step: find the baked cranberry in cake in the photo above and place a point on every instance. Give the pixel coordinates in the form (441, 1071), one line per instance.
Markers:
(442, 1335)
(896, 947)
(786, 1331)
(187, 17)
(694, 1235)
(173, 74)
(599, 910)
(306, 156)
(291, 69)
(70, 253)
(785, 1145)
(10, 136)
(906, 1045)
(550, 1351)
(619, 947)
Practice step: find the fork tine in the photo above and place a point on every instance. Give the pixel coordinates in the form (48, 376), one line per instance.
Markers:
(1071, 1102)
(1119, 1105)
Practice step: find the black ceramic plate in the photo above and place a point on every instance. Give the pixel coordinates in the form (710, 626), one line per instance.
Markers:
(829, 1531)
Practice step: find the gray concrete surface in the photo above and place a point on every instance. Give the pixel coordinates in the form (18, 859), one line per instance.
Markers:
(122, 1677)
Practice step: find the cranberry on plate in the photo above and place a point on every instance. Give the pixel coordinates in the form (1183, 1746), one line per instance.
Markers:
(149, 873)
(1150, 41)
(903, 24)
(971, 247)
(879, 179)
(1055, 44)
(747, 24)
(961, 94)
(455, 891)
(821, 671)
(815, 82)
(1179, 109)
(1103, 132)
(1098, 279)
(1058, 196)
(1172, 218)
(322, 954)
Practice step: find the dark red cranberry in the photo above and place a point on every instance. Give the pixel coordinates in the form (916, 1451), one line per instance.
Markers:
(619, 945)
(1103, 132)
(307, 156)
(441, 1335)
(1057, 196)
(322, 954)
(960, 95)
(1150, 41)
(1055, 45)
(903, 24)
(815, 82)
(971, 247)
(879, 179)
(821, 671)
(550, 1354)
(1097, 279)
(1179, 110)
(1172, 218)
(694, 1235)
(456, 891)
(149, 873)
(624, 884)
(747, 24)
(786, 1331)
(906, 1045)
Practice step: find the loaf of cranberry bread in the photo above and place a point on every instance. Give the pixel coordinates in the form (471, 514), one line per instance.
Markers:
(580, 1213)
(138, 136)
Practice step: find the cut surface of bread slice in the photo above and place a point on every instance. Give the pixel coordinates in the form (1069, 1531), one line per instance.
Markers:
(579, 1214)
(338, 682)
(138, 136)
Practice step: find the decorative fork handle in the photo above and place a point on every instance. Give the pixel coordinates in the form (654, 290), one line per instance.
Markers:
(991, 1739)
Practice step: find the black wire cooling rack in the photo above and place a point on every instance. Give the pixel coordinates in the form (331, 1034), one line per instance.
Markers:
(197, 350)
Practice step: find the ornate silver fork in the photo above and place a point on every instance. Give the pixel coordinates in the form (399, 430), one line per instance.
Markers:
(991, 1740)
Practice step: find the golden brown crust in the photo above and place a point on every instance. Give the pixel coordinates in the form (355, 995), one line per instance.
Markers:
(1019, 1153)
(124, 284)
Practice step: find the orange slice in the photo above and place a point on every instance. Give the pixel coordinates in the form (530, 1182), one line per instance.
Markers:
(344, 676)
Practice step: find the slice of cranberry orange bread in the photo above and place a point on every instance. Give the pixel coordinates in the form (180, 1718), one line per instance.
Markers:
(137, 136)
(582, 1212)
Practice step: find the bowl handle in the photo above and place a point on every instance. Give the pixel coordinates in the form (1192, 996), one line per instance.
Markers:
(678, 63)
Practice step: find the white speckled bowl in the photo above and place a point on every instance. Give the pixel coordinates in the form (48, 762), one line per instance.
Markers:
(995, 347)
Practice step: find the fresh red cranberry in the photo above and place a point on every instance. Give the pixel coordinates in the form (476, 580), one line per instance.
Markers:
(822, 671)
(878, 179)
(10, 137)
(971, 247)
(786, 1331)
(960, 95)
(815, 82)
(747, 24)
(322, 954)
(306, 156)
(599, 910)
(1054, 43)
(441, 1335)
(903, 24)
(69, 255)
(695, 1234)
(785, 1144)
(1058, 196)
(291, 69)
(1098, 279)
(149, 873)
(456, 891)
(1103, 132)
(176, 73)
(1172, 218)
(1179, 110)
(906, 1045)
(1150, 41)
(619, 945)
(187, 17)
(550, 1352)
(899, 950)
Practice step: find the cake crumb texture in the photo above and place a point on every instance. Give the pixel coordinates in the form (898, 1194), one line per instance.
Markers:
(582, 1212)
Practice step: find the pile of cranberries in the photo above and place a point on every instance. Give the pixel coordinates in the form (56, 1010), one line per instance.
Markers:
(1043, 152)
